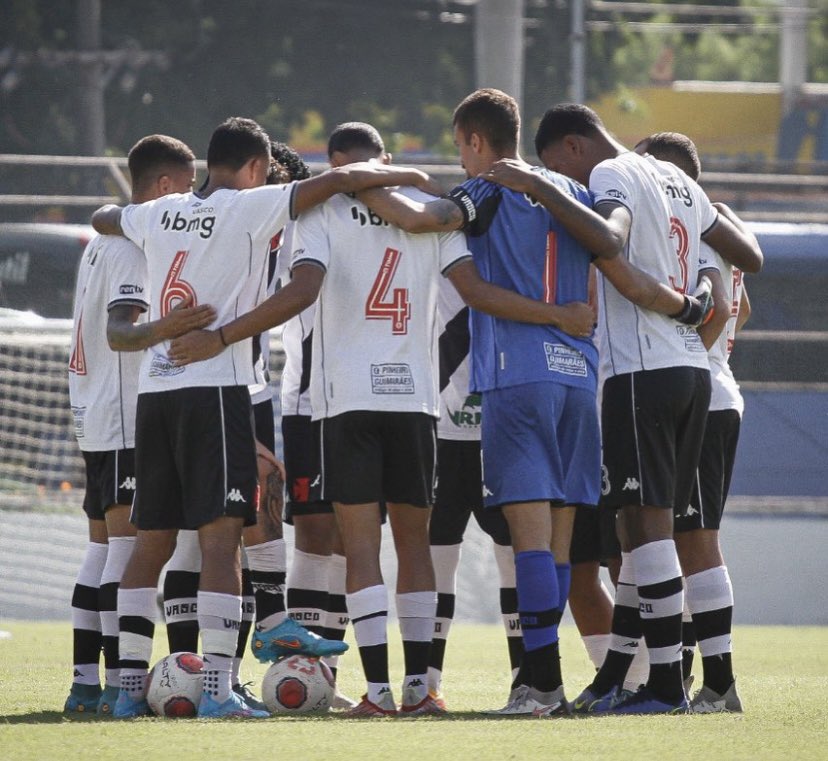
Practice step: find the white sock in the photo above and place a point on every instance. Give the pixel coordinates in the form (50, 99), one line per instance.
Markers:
(219, 616)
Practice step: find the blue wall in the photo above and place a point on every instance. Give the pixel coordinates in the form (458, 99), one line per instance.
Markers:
(783, 446)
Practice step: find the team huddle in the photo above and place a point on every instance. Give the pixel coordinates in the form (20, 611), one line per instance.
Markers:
(546, 348)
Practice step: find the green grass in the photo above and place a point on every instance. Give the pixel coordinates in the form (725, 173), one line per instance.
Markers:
(783, 681)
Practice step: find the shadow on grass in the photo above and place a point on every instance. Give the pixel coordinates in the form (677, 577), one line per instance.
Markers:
(58, 717)
(45, 717)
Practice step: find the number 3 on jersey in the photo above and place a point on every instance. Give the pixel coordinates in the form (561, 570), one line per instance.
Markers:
(678, 233)
(175, 289)
(398, 309)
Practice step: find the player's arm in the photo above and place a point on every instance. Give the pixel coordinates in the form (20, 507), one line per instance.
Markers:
(590, 229)
(744, 310)
(576, 318)
(355, 177)
(710, 330)
(731, 238)
(124, 335)
(107, 220)
(287, 302)
(440, 215)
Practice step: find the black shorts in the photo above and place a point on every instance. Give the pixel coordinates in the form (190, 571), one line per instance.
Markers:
(301, 445)
(379, 456)
(263, 424)
(707, 502)
(195, 458)
(594, 539)
(652, 424)
(110, 480)
(460, 493)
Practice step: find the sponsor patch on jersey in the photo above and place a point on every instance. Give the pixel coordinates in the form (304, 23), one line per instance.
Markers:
(566, 360)
(392, 379)
(691, 339)
(161, 366)
(126, 290)
(615, 193)
(469, 415)
(79, 415)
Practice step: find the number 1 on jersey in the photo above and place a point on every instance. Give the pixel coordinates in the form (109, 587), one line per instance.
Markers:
(398, 309)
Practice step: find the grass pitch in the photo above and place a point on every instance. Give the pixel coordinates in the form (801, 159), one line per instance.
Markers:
(782, 671)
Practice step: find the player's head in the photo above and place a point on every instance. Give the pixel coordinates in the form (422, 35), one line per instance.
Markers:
(239, 153)
(159, 164)
(571, 139)
(286, 165)
(486, 128)
(674, 147)
(356, 141)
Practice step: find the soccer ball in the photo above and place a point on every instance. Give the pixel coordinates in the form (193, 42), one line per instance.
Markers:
(298, 684)
(175, 685)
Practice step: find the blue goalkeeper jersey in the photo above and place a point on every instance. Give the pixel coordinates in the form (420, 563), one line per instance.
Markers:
(519, 245)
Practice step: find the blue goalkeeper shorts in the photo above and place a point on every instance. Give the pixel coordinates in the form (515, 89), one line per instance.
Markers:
(540, 442)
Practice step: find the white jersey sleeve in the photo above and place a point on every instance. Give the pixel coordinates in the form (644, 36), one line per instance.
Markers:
(103, 384)
(725, 394)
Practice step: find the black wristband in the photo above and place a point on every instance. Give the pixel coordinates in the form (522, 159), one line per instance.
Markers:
(465, 203)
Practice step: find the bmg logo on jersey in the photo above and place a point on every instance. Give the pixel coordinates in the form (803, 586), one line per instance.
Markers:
(367, 217)
(202, 225)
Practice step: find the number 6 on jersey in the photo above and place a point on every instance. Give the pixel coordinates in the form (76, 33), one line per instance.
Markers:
(398, 310)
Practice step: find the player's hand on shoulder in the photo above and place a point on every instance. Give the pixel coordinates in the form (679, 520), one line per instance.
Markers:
(195, 346)
(185, 317)
(511, 173)
(576, 318)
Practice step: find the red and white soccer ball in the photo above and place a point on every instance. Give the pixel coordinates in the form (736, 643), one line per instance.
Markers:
(175, 685)
(298, 684)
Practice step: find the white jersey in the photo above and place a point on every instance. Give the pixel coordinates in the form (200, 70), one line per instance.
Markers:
(297, 336)
(459, 408)
(103, 384)
(215, 250)
(375, 334)
(670, 213)
(725, 391)
(261, 390)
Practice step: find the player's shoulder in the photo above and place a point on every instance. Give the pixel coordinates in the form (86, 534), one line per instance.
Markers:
(567, 184)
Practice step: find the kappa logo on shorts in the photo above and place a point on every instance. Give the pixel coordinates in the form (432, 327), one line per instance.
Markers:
(487, 492)
(234, 495)
(631, 485)
(129, 483)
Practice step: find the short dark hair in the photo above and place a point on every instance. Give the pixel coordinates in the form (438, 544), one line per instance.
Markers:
(566, 119)
(286, 165)
(235, 141)
(353, 135)
(676, 148)
(492, 114)
(155, 155)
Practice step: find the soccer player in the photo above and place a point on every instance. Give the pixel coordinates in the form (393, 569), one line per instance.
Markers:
(655, 395)
(539, 436)
(374, 386)
(707, 582)
(459, 492)
(316, 589)
(194, 437)
(112, 294)
(264, 561)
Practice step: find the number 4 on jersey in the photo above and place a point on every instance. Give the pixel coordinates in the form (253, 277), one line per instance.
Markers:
(398, 309)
